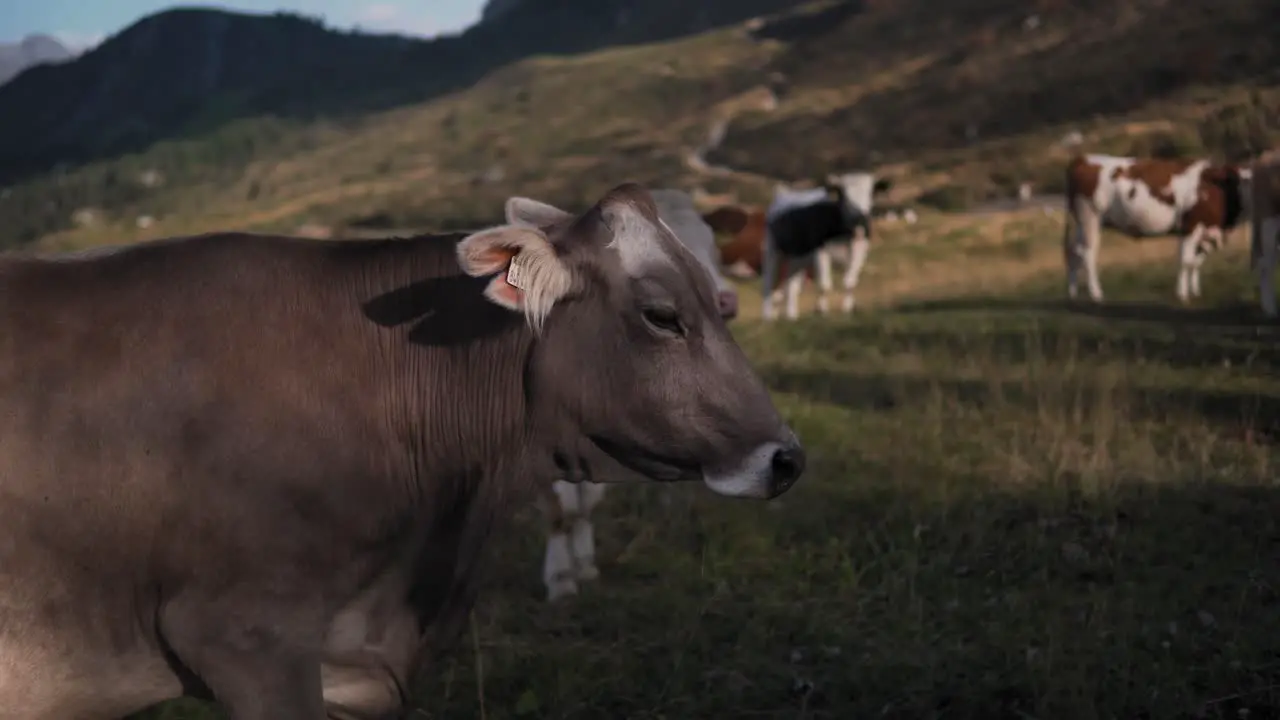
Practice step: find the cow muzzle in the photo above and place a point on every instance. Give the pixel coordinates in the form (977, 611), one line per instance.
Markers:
(727, 304)
(765, 473)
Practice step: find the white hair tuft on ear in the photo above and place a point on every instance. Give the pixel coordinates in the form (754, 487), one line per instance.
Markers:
(531, 279)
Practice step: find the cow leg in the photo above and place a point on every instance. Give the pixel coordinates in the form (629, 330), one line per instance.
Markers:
(823, 260)
(583, 532)
(369, 653)
(858, 250)
(1188, 261)
(768, 277)
(1071, 256)
(557, 565)
(362, 692)
(1268, 244)
(1211, 241)
(248, 662)
(1081, 247)
(795, 284)
(1092, 245)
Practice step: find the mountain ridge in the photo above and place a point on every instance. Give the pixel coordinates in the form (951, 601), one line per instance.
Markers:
(135, 88)
(958, 103)
(32, 50)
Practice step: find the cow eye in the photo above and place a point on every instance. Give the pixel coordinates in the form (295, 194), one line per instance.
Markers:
(664, 319)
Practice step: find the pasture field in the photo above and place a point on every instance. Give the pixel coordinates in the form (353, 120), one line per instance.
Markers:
(1014, 508)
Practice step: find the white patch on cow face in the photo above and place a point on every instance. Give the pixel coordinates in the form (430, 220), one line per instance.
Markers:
(756, 476)
(858, 189)
(637, 241)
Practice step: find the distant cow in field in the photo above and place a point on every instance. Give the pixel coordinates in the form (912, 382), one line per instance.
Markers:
(1196, 200)
(801, 224)
(1265, 216)
(262, 470)
(570, 552)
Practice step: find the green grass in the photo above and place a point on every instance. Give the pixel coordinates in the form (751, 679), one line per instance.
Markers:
(1013, 509)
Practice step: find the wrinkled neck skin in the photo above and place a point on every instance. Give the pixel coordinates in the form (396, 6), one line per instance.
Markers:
(457, 404)
(451, 368)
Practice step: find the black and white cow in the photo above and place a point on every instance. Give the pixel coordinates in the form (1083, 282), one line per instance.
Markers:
(802, 224)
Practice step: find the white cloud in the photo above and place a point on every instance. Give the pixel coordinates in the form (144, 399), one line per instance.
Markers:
(391, 18)
(379, 13)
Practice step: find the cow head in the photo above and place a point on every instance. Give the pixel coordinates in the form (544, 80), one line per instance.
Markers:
(855, 191)
(1236, 182)
(631, 358)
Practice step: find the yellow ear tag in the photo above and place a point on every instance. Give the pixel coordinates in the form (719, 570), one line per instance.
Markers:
(516, 271)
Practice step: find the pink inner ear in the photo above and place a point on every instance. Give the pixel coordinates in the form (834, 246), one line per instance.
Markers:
(496, 258)
(506, 293)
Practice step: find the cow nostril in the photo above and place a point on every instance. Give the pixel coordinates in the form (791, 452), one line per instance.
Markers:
(787, 466)
(727, 302)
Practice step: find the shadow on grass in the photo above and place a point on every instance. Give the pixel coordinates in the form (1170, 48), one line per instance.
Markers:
(1236, 413)
(1235, 335)
(1235, 315)
(869, 603)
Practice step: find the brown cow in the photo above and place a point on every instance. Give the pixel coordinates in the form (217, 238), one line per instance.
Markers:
(1194, 199)
(262, 469)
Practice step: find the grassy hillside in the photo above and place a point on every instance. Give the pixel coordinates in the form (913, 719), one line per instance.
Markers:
(183, 72)
(957, 101)
(1014, 509)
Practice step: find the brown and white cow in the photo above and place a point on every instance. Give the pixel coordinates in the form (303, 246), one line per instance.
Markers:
(1265, 215)
(1196, 200)
(262, 469)
(570, 556)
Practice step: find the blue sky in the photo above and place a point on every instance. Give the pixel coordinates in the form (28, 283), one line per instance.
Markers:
(85, 22)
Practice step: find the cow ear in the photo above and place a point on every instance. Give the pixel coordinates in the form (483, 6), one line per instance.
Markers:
(530, 277)
(527, 212)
